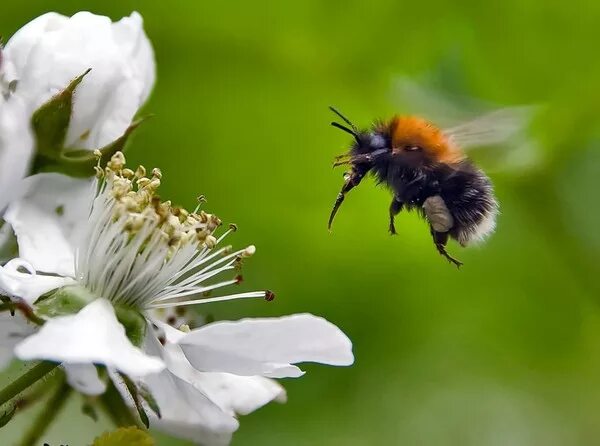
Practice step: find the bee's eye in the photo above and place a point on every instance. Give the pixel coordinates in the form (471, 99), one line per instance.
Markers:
(412, 148)
(377, 141)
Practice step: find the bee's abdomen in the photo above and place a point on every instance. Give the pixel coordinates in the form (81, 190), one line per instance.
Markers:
(469, 196)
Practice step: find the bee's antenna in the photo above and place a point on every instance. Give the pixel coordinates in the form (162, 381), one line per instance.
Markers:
(343, 118)
(337, 125)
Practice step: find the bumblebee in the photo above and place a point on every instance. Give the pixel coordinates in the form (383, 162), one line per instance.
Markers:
(425, 169)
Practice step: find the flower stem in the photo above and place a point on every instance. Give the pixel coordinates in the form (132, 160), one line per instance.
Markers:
(26, 380)
(8, 305)
(48, 414)
(114, 406)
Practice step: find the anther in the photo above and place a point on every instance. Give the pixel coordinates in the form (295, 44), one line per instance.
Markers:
(117, 162)
(249, 251)
(237, 263)
(233, 227)
(140, 172)
(127, 173)
(239, 279)
(269, 295)
(210, 241)
(99, 172)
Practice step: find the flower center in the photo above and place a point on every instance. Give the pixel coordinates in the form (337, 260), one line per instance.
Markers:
(142, 252)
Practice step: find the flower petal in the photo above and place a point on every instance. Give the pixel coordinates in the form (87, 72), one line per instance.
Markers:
(185, 411)
(16, 147)
(48, 220)
(27, 286)
(267, 346)
(84, 378)
(13, 329)
(94, 335)
(241, 394)
(233, 394)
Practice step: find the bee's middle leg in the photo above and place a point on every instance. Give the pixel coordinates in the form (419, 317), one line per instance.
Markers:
(395, 208)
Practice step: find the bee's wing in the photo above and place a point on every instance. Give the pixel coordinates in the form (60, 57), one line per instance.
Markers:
(492, 128)
(504, 130)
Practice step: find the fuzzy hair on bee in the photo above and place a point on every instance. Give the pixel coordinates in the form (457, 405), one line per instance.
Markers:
(425, 169)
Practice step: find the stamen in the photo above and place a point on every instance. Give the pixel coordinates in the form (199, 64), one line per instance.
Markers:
(199, 290)
(144, 252)
(201, 199)
(267, 295)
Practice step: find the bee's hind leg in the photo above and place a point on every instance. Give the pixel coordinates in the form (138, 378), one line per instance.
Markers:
(440, 239)
(440, 222)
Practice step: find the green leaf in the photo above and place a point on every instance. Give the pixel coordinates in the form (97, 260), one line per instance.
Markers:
(125, 436)
(51, 121)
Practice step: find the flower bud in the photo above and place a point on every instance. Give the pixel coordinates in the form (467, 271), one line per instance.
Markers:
(84, 78)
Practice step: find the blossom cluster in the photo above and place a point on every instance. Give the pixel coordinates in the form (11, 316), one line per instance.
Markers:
(107, 270)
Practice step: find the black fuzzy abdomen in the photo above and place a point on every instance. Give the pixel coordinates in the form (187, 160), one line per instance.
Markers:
(466, 191)
(469, 196)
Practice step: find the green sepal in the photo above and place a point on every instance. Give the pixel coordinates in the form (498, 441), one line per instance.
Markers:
(133, 391)
(81, 162)
(149, 398)
(125, 436)
(9, 248)
(66, 300)
(71, 299)
(89, 410)
(51, 121)
(134, 323)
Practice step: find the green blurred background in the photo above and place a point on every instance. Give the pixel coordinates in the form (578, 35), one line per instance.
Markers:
(505, 351)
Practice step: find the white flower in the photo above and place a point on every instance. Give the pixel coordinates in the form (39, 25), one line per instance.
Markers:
(46, 54)
(138, 253)
(16, 146)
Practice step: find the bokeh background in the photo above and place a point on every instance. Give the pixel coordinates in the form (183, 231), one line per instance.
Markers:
(505, 351)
